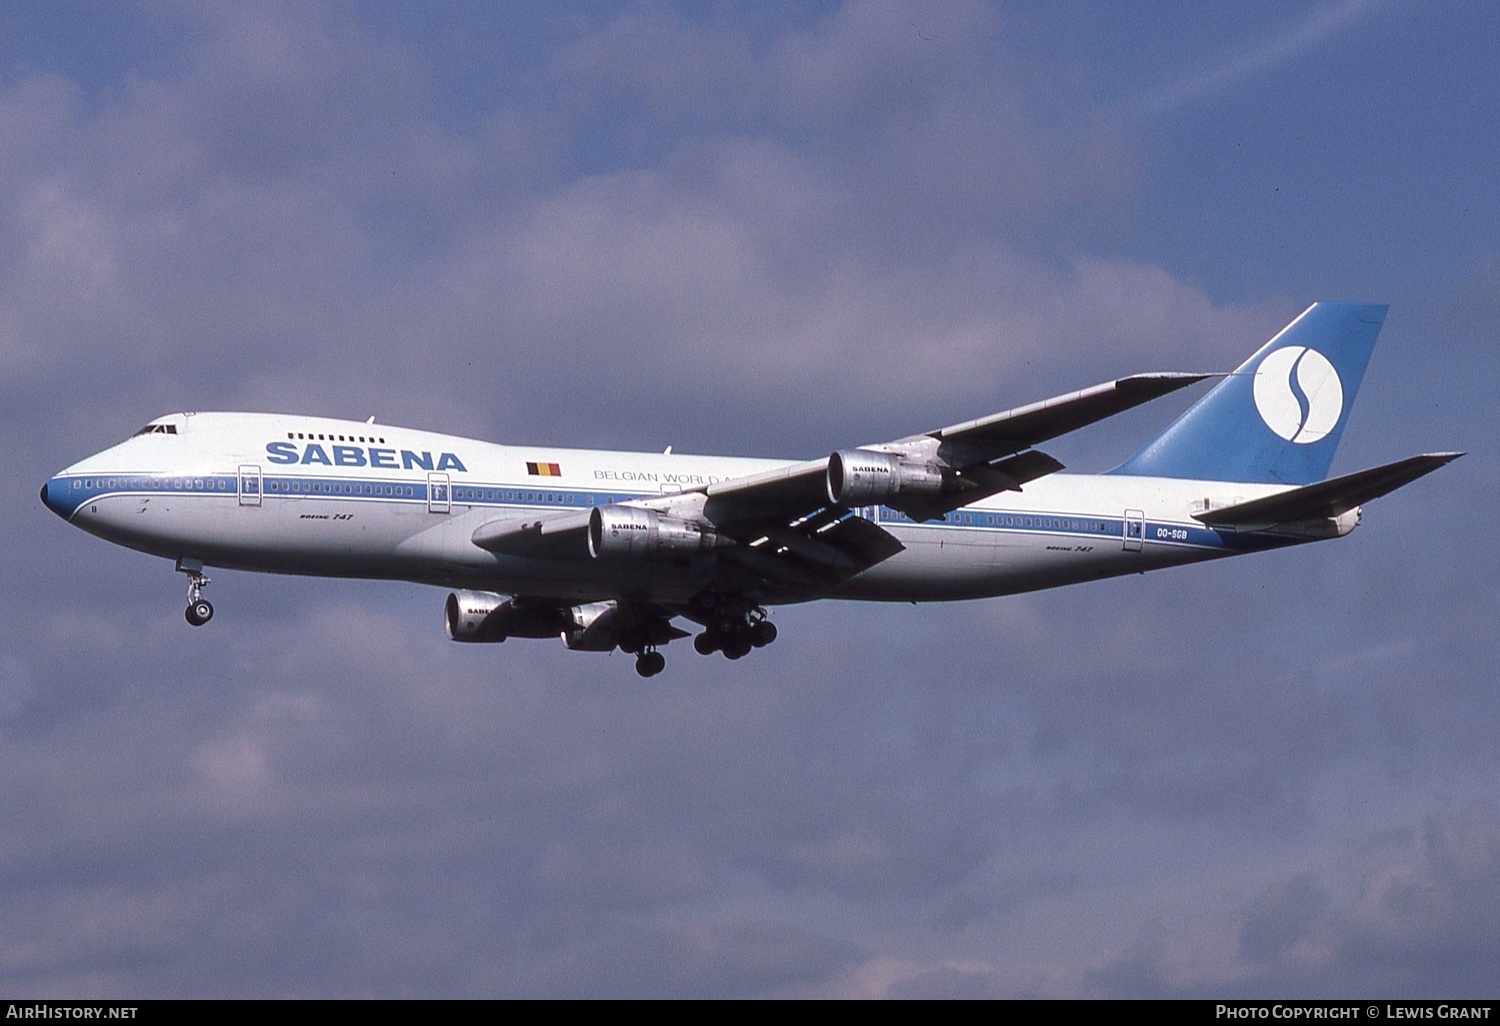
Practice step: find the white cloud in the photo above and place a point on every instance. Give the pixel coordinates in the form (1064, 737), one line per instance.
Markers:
(831, 231)
(1323, 24)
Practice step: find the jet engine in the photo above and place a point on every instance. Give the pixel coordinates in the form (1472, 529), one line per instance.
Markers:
(483, 616)
(860, 477)
(628, 532)
(594, 627)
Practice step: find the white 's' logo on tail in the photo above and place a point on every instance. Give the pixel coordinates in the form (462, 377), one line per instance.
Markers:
(1298, 394)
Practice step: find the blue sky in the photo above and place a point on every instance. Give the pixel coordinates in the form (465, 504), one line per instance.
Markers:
(766, 230)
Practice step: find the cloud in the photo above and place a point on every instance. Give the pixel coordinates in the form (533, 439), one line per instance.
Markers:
(1322, 25)
(1420, 924)
(758, 233)
(279, 214)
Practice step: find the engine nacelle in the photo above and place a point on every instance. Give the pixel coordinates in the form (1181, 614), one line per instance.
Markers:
(628, 532)
(862, 477)
(483, 616)
(593, 628)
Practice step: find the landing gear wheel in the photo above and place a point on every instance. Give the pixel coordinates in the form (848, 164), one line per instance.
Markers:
(734, 630)
(198, 611)
(649, 664)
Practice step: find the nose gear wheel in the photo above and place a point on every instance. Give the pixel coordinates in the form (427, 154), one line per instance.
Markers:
(199, 610)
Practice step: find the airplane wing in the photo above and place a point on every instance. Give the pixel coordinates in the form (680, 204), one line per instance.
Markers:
(811, 551)
(795, 526)
(1330, 498)
(931, 474)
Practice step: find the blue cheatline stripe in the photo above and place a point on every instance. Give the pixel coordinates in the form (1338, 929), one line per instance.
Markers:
(79, 491)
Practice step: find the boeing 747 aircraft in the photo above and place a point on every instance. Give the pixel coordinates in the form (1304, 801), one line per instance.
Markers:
(607, 549)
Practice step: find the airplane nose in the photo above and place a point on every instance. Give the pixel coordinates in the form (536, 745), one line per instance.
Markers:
(52, 498)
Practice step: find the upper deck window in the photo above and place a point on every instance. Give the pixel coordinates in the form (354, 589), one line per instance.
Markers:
(157, 429)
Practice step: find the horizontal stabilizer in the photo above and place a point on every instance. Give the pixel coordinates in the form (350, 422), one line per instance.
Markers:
(1329, 498)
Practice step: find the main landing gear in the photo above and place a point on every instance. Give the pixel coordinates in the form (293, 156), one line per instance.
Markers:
(733, 627)
(642, 639)
(735, 636)
(199, 610)
(650, 662)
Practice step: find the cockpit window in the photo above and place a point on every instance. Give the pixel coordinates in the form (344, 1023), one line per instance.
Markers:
(157, 429)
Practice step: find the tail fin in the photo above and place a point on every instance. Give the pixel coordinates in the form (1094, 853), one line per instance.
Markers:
(1278, 418)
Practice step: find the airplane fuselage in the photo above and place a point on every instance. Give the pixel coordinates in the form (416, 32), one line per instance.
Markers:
(298, 495)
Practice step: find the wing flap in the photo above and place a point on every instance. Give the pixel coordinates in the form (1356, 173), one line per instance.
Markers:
(1326, 499)
(818, 551)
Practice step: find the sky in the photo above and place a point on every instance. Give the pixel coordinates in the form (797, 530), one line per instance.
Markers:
(768, 230)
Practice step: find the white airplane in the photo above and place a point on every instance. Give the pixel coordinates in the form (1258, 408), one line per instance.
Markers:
(606, 549)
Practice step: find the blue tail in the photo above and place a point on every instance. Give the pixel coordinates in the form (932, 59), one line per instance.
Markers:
(1278, 419)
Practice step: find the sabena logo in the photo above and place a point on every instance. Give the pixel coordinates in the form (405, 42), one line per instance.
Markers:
(1298, 394)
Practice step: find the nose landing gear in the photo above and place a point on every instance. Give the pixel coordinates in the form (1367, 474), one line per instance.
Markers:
(199, 610)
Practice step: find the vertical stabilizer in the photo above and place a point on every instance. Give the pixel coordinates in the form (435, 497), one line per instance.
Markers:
(1278, 418)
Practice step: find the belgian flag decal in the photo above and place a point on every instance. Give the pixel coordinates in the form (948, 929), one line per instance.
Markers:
(543, 470)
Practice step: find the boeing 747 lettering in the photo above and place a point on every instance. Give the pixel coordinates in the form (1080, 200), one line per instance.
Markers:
(611, 550)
